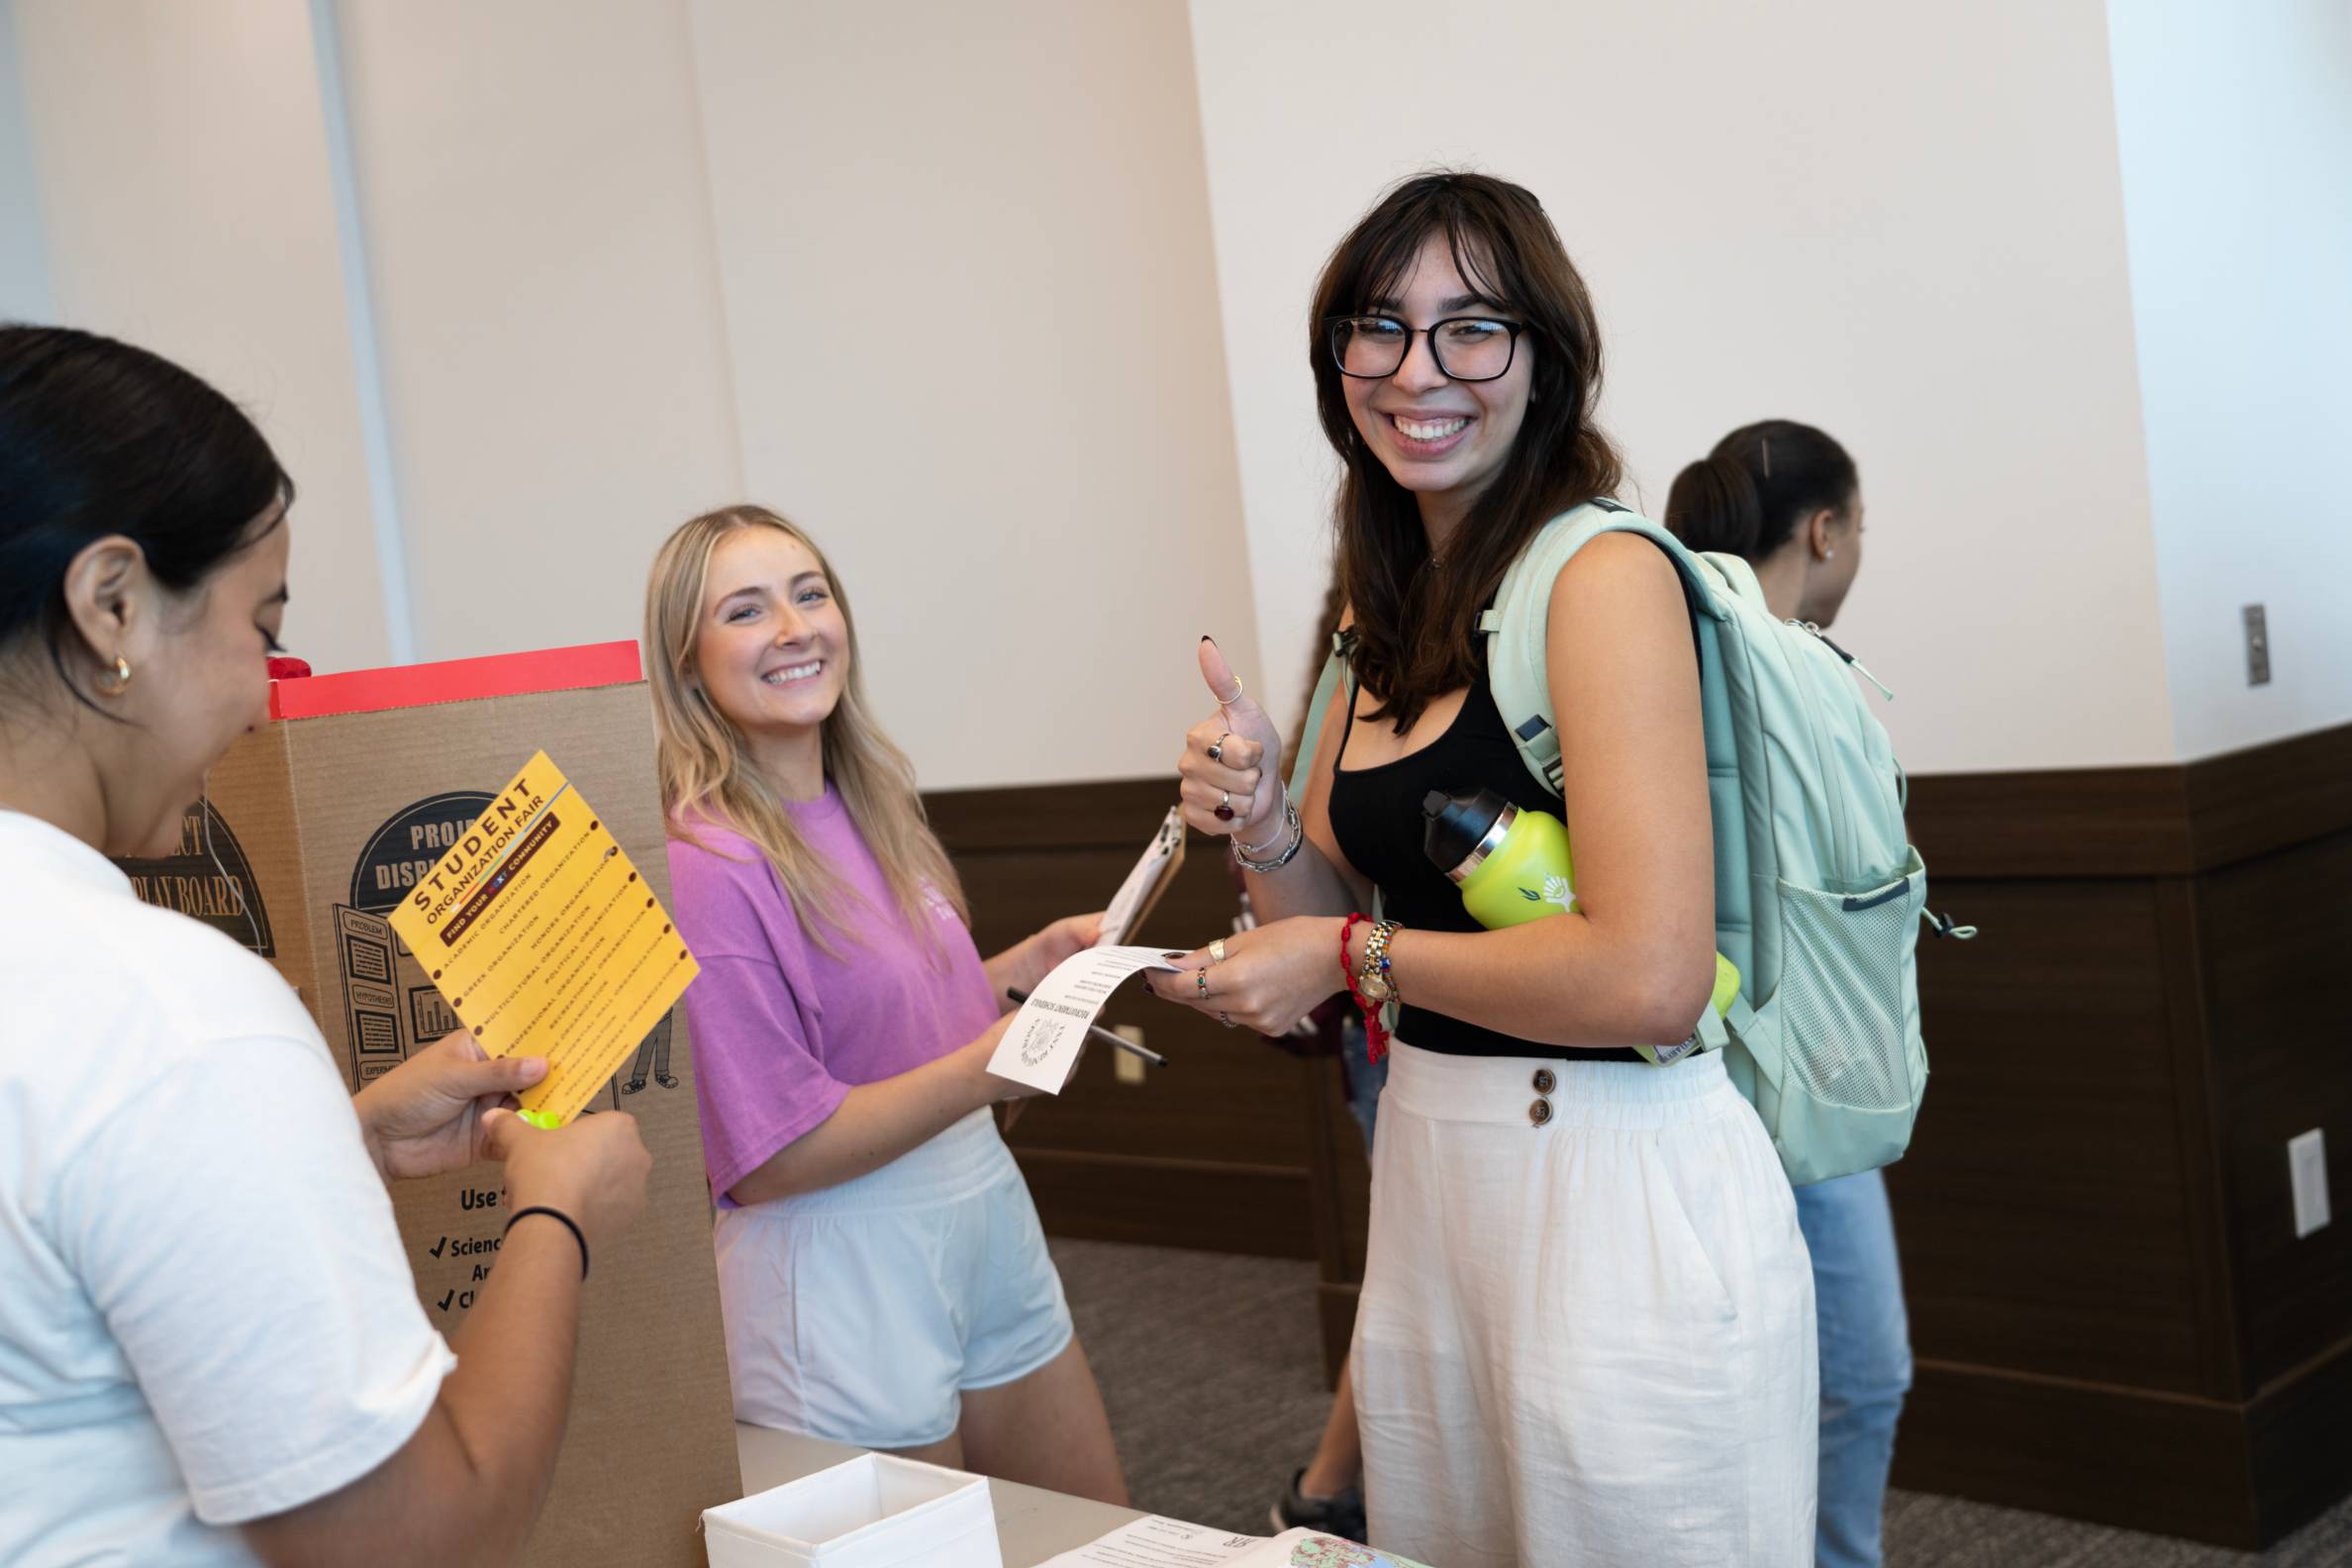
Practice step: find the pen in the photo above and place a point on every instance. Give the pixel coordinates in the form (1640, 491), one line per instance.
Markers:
(1104, 1035)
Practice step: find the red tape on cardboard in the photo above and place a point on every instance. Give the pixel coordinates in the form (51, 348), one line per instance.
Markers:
(457, 680)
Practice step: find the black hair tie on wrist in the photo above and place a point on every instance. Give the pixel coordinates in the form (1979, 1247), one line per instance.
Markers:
(553, 1213)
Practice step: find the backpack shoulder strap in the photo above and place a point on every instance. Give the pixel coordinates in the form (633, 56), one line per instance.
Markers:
(1334, 675)
(1516, 625)
(1739, 578)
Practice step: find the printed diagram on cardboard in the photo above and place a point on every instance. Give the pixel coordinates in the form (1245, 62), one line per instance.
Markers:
(392, 1004)
(654, 1053)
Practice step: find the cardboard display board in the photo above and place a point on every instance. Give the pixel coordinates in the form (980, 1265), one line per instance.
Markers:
(319, 826)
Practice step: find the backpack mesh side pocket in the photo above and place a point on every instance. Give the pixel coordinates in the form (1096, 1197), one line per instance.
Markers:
(1842, 1013)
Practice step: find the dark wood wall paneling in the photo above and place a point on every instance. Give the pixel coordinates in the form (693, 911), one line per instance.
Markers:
(2111, 1313)
(1210, 1152)
(2112, 1316)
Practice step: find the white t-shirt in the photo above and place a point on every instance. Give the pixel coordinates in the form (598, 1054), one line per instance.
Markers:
(205, 1313)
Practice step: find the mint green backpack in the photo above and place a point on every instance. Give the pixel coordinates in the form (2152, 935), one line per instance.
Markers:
(1818, 892)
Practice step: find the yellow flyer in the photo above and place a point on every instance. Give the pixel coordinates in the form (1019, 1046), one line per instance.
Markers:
(546, 940)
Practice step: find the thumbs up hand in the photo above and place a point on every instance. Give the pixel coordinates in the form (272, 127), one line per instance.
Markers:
(1231, 768)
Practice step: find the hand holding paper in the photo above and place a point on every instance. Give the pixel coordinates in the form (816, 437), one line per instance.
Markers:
(1041, 1048)
(1021, 966)
(1268, 979)
(1047, 1036)
(425, 1115)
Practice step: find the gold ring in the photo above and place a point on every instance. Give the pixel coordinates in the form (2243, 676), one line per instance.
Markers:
(1201, 983)
(1239, 688)
(1216, 951)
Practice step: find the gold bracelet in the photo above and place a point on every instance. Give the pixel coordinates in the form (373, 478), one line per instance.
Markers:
(1377, 979)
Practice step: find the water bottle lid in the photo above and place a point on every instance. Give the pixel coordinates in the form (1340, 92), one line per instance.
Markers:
(1464, 828)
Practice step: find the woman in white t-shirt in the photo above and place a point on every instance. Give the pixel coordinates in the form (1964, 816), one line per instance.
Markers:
(211, 1348)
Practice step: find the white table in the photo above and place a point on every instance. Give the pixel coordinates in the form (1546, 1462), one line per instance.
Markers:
(1032, 1523)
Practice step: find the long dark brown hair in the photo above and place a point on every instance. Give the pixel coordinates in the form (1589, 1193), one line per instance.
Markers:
(1415, 628)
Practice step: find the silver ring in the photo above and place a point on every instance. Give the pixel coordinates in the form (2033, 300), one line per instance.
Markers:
(1216, 747)
(1226, 1022)
(1226, 805)
(1216, 951)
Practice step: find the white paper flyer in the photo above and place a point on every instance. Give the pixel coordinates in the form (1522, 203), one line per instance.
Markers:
(1042, 1047)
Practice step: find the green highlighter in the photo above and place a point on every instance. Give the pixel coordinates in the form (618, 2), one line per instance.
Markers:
(1512, 864)
(546, 1121)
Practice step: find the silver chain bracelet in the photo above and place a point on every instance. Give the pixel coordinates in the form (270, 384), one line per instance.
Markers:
(1290, 816)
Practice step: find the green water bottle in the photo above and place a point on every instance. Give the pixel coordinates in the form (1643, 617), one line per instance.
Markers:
(1512, 865)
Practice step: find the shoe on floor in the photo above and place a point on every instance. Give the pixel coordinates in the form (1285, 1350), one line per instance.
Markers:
(1342, 1515)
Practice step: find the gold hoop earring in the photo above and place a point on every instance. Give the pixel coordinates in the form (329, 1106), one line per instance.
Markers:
(122, 679)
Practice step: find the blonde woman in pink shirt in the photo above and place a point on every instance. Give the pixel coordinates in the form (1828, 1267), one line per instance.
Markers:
(882, 1272)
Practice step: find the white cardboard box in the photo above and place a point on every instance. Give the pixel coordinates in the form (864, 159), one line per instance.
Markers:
(872, 1512)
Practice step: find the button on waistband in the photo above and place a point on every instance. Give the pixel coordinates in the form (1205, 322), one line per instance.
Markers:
(1539, 1113)
(1546, 1081)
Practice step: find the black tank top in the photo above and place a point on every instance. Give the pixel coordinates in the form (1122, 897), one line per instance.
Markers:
(1376, 816)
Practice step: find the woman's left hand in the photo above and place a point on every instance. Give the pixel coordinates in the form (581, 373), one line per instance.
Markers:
(1268, 979)
(1023, 966)
(425, 1117)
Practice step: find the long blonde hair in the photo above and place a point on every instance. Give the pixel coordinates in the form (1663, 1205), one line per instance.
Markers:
(707, 768)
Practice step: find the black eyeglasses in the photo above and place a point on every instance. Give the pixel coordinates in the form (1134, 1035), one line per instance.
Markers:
(1466, 348)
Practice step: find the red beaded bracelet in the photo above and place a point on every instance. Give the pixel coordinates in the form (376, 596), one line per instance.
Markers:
(1375, 1032)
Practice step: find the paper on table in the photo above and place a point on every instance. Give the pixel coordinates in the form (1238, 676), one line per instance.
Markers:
(1159, 1543)
(1170, 1544)
(544, 938)
(1161, 861)
(1042, 1045)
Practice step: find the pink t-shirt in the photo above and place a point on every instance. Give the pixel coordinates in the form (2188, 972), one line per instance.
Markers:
(782, 1030)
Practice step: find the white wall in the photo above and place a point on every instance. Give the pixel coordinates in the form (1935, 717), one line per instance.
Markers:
(24, 266)
(186, 206)
(973, 312)
(1899, 223)
(531, 190)
(967, 329)
(2236, 138)
(1006, 304)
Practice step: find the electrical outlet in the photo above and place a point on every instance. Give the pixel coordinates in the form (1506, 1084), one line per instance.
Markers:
(2257, 646)
(1129, 1066)
(2307, 1169)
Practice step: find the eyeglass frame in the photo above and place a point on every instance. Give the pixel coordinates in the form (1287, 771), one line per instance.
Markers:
(1430, 332)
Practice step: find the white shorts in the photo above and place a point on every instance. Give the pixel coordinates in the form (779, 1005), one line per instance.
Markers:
(862, 1312)
(1586, 1333)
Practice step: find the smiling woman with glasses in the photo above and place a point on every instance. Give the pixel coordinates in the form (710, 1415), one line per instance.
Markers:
(1585, 1327)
